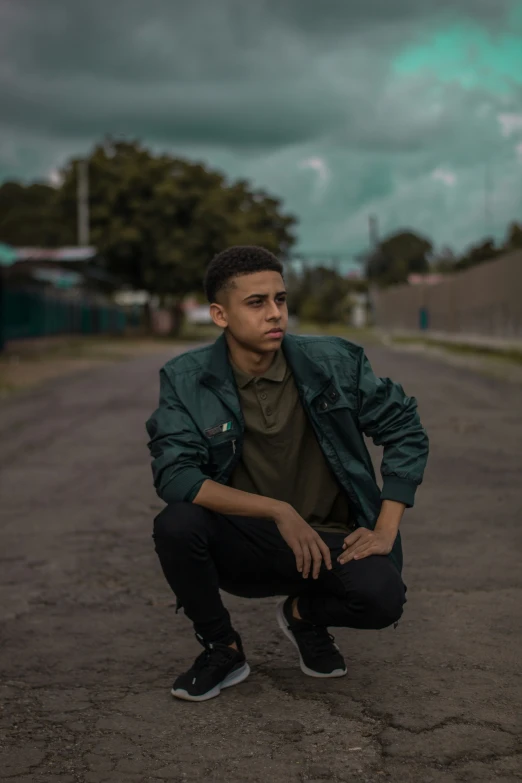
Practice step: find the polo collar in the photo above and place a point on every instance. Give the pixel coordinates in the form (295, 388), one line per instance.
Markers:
(276, 372)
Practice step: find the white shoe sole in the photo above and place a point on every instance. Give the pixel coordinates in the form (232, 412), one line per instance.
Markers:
(232, 679)
(281, 621)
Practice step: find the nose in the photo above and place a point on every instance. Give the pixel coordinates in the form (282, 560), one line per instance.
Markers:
(273, 312)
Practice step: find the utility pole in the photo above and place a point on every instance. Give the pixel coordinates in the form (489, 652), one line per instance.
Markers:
(83, 202)
(373, 234)
(488, 192)
(374, 231)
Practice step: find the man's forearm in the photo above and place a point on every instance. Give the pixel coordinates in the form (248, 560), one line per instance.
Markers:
(226, 500)
(390, 517)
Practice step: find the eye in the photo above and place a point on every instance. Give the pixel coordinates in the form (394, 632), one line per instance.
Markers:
(255, 303)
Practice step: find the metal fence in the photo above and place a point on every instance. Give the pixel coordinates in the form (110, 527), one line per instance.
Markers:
(484, 300)
(26, 313)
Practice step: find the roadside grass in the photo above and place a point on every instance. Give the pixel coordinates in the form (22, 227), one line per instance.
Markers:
(356, 335)
(508, 354)
(28, 363)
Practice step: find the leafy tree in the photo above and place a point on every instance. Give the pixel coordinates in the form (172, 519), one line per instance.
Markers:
(444, 261)
(477, 254)
(157, 220)
(487, 250)
(27, 215)
(322, 295)
(398, 256)
(514, 237)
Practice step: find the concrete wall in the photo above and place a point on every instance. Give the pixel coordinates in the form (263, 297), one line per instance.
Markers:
(483, 300)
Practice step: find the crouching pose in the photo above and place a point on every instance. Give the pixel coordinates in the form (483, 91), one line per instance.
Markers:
(258, 451)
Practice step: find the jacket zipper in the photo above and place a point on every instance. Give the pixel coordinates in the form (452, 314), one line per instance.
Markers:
(324, 437)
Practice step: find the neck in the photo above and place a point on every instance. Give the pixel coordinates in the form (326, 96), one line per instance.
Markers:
(246, 360)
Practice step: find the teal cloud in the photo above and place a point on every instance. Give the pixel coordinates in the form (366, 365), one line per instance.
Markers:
(470, 55)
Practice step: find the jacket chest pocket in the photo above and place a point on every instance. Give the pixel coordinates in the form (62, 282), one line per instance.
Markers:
(337, 414)
(333, 401)
(221, 453)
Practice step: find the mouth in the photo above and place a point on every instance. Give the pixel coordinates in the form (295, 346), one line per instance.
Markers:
(275, 333)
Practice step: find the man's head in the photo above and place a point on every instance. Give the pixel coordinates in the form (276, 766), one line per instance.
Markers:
(247, 296)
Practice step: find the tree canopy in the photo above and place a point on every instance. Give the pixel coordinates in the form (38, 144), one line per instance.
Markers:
(322, 295)
(404, 253)
(27, 216)
(398, 256)
(155, 219)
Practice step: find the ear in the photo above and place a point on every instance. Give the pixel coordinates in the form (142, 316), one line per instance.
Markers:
(218, 315)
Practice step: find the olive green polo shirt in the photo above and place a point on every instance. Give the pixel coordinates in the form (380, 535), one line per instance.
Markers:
(281, 457)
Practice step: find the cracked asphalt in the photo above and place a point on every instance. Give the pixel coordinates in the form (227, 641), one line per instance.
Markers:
(90, 642)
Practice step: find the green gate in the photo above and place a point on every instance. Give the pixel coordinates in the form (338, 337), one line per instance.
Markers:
(26, 313)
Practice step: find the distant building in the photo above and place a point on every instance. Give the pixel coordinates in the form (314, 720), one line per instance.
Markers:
(196, 313)
(64, 268)
(359, 311)
(58, 291)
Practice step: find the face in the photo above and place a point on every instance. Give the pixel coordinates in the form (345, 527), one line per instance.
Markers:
(254, 311)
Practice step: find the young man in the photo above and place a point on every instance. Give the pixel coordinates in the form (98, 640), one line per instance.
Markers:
(258, 451)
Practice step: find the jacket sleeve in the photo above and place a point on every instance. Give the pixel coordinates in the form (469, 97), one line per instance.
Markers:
(177, 448)
(390, 419)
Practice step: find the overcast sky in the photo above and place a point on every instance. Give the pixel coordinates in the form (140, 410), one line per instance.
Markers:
(344, 108)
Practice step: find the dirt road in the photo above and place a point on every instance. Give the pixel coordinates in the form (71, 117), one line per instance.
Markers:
(90, 642)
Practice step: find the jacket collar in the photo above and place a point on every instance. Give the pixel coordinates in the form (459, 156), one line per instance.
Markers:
(219, 376)
(309, 376)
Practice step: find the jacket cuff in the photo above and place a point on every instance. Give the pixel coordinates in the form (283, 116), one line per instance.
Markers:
(398, 489)
(183, 487)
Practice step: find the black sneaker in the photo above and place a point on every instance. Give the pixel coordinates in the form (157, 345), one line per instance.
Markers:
(319, 655)
(219, 666)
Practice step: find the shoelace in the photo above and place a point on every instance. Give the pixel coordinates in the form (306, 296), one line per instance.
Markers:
(212, 657)
(317, 640)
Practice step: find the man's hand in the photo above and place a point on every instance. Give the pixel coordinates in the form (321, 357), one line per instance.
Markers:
(363, 543)
(306, 544)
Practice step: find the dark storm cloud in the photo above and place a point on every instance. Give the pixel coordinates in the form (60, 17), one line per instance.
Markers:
(302, 96)
(207, 114)
(202, 72)
(130, 40)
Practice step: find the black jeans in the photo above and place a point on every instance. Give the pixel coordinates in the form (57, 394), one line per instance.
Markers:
(202, 552)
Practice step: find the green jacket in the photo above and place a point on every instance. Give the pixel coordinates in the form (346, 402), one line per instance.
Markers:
(196, 433)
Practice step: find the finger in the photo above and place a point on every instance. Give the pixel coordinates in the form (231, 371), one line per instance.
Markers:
(325, 551)
(353, 537)
(356, 553)
(298, 552)
(316, 557)
(363, 540)
(307, 560)
(365, 553)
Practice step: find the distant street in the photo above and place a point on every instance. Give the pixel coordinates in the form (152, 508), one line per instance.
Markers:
(90, 642)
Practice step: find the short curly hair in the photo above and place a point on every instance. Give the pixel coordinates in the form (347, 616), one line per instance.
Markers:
(234, 262)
